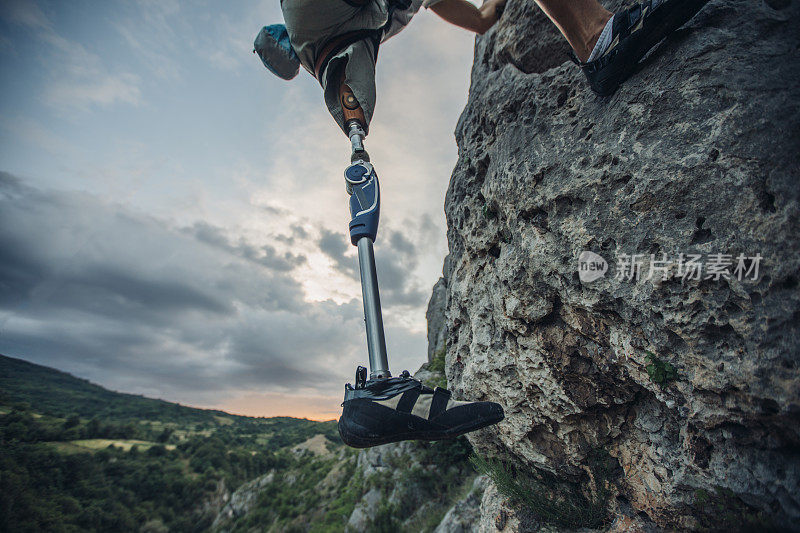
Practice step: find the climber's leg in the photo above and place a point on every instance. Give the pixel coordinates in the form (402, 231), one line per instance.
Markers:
(315, 25)
(466, 15)
(355, 67)
(580, 21)
(609, 47)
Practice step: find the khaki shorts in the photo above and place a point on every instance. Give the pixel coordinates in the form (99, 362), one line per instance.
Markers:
(312, 23)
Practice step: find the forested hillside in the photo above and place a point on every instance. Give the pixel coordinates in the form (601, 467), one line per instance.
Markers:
(77, 457)
(60, 394)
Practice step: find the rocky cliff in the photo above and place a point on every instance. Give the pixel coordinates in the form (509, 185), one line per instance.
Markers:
(687, 385)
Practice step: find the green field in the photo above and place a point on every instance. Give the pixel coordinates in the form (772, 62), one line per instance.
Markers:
(125, 445)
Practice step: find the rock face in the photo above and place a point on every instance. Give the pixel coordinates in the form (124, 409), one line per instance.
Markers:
(464, 516)
(242, 500)
(365, 511)
(497, 515)
(435, 316)
(691, 386)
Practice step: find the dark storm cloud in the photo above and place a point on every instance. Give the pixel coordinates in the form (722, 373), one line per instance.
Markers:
(397, 288)
(139, 292)
(48, 264)
(298, 233)
(293, 349)
(8, 182)
(266, 255)
(402, 245)
(335, 245)
(395, 260)
(123, 299)
(396, 256)
(20, 272)
(272, 210)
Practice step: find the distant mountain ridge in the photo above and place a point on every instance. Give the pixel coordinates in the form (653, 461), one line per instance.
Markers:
(60, 394)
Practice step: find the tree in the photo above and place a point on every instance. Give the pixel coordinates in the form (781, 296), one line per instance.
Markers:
(165, 435)
(93, 429)
(72, 421)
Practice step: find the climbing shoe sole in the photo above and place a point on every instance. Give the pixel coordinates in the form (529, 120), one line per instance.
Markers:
(637, 30)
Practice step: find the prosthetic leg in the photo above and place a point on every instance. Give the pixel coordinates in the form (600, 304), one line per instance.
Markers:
(384, 409)
(365, 207)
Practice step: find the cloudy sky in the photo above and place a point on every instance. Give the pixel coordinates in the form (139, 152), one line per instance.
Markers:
(173, 218)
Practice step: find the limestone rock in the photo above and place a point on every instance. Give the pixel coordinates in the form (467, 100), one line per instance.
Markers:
(380, 460)
(435, 316)
(497, 513)
(242, 500)
(690, 386)
(464, 516)
(365, 511)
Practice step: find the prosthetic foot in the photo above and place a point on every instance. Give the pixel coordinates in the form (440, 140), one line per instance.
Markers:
(379, 411)
(384, 409)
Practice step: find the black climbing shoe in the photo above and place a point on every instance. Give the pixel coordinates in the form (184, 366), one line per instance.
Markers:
(380, 411)
(634, 32)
